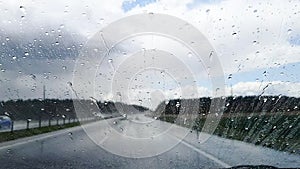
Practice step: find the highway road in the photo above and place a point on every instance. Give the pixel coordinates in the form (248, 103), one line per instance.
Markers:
(74, 148)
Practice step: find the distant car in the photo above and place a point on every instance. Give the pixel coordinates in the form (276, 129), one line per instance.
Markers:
(101, 116)
(5, 122)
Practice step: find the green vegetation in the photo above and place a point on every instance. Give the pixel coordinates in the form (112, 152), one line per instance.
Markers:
(269, 121)
(277, 131)
(7, 136)
(55, 108)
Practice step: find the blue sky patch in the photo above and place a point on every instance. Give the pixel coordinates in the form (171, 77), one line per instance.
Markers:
(196, 3)
(130, 4)
(295, 40)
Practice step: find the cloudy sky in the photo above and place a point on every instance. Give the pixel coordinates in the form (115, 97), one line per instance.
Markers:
(257, 44)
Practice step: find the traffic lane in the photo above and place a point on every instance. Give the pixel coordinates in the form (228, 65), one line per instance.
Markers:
(234, 152)
(76, 150)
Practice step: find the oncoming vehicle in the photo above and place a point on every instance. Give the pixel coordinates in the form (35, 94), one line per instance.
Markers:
(5, 122)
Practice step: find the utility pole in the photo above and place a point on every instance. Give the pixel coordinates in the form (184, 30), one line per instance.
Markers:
(44, 92)
(44, 104)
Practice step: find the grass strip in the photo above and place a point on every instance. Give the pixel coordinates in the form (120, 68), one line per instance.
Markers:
(7, 136)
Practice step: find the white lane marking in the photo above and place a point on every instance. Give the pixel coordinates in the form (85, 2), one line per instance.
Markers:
(215, 159)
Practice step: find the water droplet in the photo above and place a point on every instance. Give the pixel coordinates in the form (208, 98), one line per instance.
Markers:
(46, 33)
(56, 43)
(265, 100)
(64, 67)
(211, 55)
(190, 54)
(26, 54)
(70, 134)
(234, 34)
(289, 31)
(140, 101)
(7, 39)
(14, 57)
(177, 104)
(70, 84)
(101, 21)
(23, 9)
(32, 76)
(110, 60)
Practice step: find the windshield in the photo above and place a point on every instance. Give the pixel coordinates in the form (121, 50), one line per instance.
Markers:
(149, 84)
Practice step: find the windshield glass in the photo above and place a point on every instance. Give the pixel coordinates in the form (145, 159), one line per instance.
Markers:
(149, 84)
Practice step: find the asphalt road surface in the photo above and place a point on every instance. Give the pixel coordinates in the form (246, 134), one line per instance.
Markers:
(73, 148)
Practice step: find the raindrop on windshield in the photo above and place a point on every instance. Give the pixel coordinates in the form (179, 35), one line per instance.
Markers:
(234, 34)
(70, 134)
(22, 8)
(32, 76)
(70, 84)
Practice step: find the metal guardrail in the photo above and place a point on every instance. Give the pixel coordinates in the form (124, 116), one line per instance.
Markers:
(30, 124)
